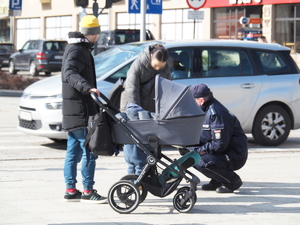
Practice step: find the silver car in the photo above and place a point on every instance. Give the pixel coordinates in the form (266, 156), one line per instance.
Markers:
(258, 82)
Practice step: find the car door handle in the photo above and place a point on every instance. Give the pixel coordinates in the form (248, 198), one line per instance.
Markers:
(247, 85)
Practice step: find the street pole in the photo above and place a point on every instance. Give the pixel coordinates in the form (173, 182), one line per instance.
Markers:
(194, 28)
(143, 21)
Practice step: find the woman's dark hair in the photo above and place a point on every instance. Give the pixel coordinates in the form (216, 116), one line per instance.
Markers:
(160, 53)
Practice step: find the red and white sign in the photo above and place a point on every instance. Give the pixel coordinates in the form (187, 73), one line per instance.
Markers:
(230, 3)
(195, 4)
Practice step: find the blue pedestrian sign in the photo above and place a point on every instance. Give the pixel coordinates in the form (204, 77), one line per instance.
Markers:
(153, 6)
(15, 4)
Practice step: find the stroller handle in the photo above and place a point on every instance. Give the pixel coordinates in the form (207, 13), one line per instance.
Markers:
(101, 105)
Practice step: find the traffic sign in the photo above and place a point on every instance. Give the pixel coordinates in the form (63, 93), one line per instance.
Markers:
(15, 4)
(195, 4)
(153, 6)
(195, 15)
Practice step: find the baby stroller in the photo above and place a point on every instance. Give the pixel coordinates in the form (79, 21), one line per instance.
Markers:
(178, 121)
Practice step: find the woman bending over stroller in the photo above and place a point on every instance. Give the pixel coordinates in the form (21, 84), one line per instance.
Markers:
(139, 90)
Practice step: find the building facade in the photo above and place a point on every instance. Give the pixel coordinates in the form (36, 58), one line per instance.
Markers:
(278, 20)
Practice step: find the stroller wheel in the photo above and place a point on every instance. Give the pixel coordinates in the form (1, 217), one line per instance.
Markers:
(187, 189)
(182, 205)
(143, 191)
(124, 197)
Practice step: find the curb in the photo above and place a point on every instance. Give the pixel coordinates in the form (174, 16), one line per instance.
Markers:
(11, 93)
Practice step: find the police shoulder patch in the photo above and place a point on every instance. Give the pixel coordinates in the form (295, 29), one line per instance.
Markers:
(217, 134)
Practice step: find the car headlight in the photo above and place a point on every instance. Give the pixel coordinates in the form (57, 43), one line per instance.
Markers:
(54, 105)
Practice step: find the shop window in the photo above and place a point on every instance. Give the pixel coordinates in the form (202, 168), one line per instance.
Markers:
(27, 29)
(287, 26)
(176, 25)
(103, 20)
(4, 30)
(226, 21)
(57, 28)
(132, 21)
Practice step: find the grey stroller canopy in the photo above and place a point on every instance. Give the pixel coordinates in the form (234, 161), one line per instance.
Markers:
(173, 100)
(178, 119)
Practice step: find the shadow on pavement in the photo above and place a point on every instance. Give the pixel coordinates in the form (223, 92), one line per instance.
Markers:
(252, 197)
(58, 145)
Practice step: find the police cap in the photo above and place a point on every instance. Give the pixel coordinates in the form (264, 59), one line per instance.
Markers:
(200, 91)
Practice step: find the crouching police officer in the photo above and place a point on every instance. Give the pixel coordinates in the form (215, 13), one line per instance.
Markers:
(223, 144)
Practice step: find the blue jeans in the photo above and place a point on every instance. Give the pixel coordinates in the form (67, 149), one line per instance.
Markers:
(75, 152)
(135, 158)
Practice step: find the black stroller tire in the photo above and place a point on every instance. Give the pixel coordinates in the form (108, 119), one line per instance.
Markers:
(124, 197)
(143, 191)
(187, 189)
(180, 205)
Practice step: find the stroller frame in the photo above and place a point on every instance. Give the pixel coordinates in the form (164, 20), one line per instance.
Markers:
(130, 191)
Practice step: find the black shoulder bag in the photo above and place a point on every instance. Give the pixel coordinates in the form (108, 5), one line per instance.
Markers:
(99, 137)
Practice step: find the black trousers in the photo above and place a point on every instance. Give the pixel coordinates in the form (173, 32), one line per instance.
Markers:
(219, 169)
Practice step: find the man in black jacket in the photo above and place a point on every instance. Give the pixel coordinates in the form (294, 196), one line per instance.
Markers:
(223, 144)
(78, 81)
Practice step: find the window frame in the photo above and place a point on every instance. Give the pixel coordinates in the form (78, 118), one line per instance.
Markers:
(192, 72)
(259, 67)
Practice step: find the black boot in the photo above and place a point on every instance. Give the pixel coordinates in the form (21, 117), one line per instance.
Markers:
(211, 186)
(236, 185)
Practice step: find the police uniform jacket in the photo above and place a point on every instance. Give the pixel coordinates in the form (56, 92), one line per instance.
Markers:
(222, 132)
(78, 77)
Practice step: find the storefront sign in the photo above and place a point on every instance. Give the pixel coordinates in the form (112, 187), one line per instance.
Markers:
(230, 3)
(245, 20)
(243, 1)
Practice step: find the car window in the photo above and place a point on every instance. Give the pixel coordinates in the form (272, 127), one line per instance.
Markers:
(180, 61)
(7, 48)
(220, 63)
(26, 45)
(108, 60)
(54, 46)
(103, 39)
(33, 45)
(120, 73)
(271, 62)
(127, 37)
(247, 67)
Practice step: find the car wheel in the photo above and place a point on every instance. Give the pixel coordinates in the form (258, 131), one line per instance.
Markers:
(33, 70)
(271, 126)
(11, 67)
(47, 73)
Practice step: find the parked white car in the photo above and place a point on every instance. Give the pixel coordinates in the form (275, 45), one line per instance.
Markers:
(258, 82)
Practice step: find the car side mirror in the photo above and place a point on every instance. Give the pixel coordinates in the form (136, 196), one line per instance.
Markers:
(20, 50)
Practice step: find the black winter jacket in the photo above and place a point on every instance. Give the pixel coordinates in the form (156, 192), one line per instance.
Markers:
(78, 77)
(222, 132)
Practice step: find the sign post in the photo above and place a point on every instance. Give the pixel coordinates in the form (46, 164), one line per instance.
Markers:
(195, 4)
(143, 7)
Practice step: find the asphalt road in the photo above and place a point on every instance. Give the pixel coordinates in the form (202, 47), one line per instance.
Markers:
(32, 186)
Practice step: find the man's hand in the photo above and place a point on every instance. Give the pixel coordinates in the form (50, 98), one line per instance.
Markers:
(95, 91)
